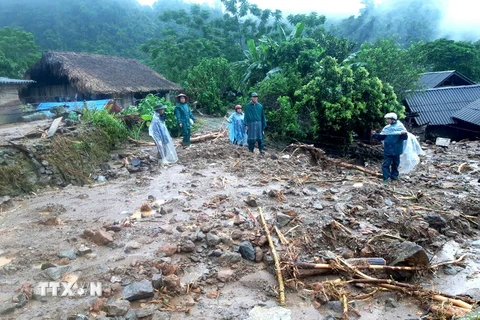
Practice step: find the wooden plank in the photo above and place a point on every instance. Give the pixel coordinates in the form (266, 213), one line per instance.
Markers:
(54, 127)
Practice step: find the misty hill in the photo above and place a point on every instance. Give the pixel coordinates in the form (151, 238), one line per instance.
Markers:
(112, 27)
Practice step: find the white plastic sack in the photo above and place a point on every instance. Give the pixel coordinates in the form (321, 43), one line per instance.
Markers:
(410, 156)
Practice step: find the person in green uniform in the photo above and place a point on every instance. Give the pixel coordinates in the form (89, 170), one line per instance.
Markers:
(185, 117)
(255, 123)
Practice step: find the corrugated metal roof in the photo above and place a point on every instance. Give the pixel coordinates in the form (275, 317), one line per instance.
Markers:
(444, 78)
(437, 106)
(470, 113)
(433, 79)
(4, 80)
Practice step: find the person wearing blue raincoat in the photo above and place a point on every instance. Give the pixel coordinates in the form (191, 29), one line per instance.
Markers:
(159, 132)
(236, 126)
(393, 136)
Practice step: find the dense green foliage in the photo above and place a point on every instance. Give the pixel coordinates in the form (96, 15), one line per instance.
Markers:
(18, 51)
(210, 82)
(315, 76)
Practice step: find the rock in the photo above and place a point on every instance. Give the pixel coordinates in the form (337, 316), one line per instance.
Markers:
(262, 240)
(88, 233)
(83, 250)
(212, 239)
(251, 202)
(391, 303)
(188, 246)
(247, 251)
(47, 265)
(70, 254)
(236, 234)
(161, 315)
(452, 270)
(275, 313)
(131, 315)
(283, 219)
(168, 249)
(475, 243)
(225, 275)
(133, 245)
(21, 300)
(115, 308)
(157, 280)
(138, 290)
(101, 237)
(146, 311)
(317, 205)
(435, 221)
(172, 283)
(98, 304)
(7, 308)
(216, 253)
(408, 254)
(230, 257)
(5, 203)
(56, 273)
(226, 240)
(258, 254)
(82, 317)
(473, 293)
(335, 306)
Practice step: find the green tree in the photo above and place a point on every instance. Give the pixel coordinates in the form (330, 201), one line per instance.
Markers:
(392, 64)
(443, 54)
(342, 101)
(18, 51)
(210, 83)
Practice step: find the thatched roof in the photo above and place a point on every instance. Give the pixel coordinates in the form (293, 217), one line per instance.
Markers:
(98, 74)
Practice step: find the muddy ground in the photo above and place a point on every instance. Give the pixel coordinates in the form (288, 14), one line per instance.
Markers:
(188, 226)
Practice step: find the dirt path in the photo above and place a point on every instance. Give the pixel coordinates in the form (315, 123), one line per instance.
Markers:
(199, 206)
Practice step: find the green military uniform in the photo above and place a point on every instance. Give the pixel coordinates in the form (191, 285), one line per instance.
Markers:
(256, 122)
(183, 113)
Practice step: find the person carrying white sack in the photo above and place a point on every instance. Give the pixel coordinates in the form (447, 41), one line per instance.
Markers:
(401, 148)
(159, 132)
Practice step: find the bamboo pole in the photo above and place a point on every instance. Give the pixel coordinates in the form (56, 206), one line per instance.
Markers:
(275, 258)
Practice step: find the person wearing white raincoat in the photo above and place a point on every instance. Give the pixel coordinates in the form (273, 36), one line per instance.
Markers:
(159, 132)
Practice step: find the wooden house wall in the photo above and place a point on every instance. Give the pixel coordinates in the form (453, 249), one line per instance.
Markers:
(9, 104)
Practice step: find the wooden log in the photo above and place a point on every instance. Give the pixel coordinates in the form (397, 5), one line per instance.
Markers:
(319, 155)
(281, 287)
(206, 137)
(142, 143)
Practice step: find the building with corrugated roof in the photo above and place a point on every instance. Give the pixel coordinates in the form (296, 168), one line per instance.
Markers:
(9, 99)
(450, 112)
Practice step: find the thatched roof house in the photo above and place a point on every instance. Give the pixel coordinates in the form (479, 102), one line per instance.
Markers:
(82, 76)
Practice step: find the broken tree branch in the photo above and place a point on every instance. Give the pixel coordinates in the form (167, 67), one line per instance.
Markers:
(207, 137)
(318, 155)
(275, 258)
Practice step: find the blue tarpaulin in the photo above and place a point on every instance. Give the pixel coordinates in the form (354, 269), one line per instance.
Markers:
(75, 105)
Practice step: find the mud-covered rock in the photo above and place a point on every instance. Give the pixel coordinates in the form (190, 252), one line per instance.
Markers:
(138, 290)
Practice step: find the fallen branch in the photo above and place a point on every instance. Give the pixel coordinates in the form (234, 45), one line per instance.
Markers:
(142, 143)
(413, 290)
(282, 238)
(275, 258)
(207, 137)
(318, 155)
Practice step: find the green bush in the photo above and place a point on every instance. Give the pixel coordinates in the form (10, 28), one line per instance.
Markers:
(283, 121)
(113, 128)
